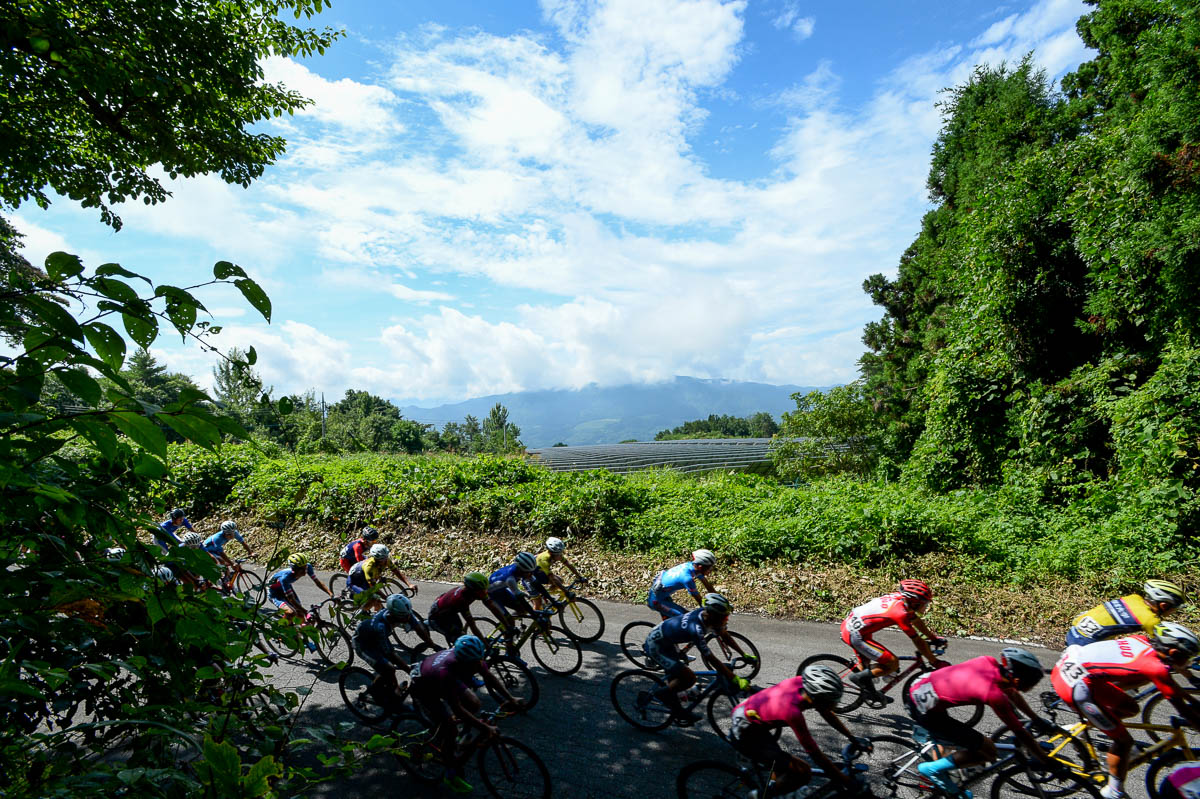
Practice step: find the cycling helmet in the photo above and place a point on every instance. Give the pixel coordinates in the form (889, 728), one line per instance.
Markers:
(1023, 665)
(380, 551)
(192, 541)
(114, 553)
(297, 560)
(477, 581)
(718, 604)
(916, 589)
(398, 605)
(1163, 591)
(469, 647)
(177, 514)
(822, 685)
(164, 574)
(1169, 635)
(525, 561)
(229, 526)
(555, 545)
(704, 557)
(369, 533)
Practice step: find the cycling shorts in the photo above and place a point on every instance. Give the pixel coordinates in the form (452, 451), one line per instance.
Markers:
(756, 742)
(944, 728)
(664, 654)
(436, 706)
(448, 624)
(867, 649)
(663, 605)
(1075, 638)
(505, 598)
(1103, 705)
(284, 600)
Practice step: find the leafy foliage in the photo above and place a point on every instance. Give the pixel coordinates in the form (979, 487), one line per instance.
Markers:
(758, 425)
(829, 433)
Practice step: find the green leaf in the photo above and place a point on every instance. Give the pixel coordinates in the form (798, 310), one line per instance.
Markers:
(62, 265)
(149, 466)
(107, 343)
(11, 686)
(251, 356)
(257, 781)
(225, 269)
(193, 429)
(255, 296)
(285, 405)
(100, 434)
(115, 289)
(143, 330)
(221, 768)
(55, 316)
(81, 384)
(105, 270)
(143, 431)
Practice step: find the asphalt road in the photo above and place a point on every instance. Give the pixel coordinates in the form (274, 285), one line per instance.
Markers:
(590, 751)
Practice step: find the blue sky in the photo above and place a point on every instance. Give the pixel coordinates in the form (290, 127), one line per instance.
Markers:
(490, 197)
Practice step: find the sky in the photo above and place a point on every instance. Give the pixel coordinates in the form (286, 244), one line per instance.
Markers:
(493, 197)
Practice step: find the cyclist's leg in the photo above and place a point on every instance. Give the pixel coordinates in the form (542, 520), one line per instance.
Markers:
(874, 658)
(1103, 706)
(756, 742)
(663, 605)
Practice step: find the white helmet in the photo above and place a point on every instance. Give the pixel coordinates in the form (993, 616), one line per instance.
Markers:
(525, 561)
(555, 545)
(398, 605)
(704, 557)
(229, 526)
(380, 551)
(192, 541)
(114, 553)
(164, 574)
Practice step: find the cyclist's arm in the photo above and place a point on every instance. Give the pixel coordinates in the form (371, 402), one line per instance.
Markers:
(461, 711)
(1010, 719)
(249, 551)
(574, 571)
(293, 600)
(321, 585)
(403, 578)
(731, 642)
(920, 626)
(818, 757)
(707, 586)
(832, 720)
(496, 611)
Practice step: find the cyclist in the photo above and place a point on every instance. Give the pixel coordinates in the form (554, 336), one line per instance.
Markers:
(693, 627)
(504, 589)
(281, 590)
(1093, 679)
(372, 641)
(215, 546)
(356, 550)
(450, 610)
(441, 683)
(985, 680)
(783, 705)
(189, 541)
(1136, 613)
(166, 533)
(553, 553)
(682, 576)
(369, 571)
(901, 608)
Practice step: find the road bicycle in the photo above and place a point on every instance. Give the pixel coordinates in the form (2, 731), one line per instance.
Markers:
(387, 585)
(716, 779)
(554, 648)
(853, 696)
(329, 642)
(240, 580)
(578, 616)
(633, 692)
(633, 636)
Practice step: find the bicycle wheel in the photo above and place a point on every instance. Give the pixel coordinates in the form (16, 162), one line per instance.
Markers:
(1156, 712)
(1025, 779)
(516, 678)
(337, 583)
(852, 696)
(354, 685)
(247, 582)
(1160, 768)
(557, 651)
(511, 770)
(747, 670)
(967, 714)
(582, 619)
(633, 635)
(720, 715)
(420, 759)
(632, 695)
(333, 645)
(892, 768)
(712, 779)
(490, 627)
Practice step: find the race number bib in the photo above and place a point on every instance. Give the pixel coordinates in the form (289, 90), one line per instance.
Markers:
(1069, 669)
(854, 623)
(415, 672)
(1088, 627)
(924, 697)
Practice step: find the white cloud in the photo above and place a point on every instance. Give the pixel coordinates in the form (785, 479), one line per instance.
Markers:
(790, 18)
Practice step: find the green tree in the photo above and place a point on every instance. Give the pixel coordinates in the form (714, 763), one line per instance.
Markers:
(240, 392)
(151, 382)
(831, 432)
(497, 434)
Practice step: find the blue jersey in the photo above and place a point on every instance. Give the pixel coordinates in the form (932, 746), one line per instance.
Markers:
(216, 542)
(675, 578)
(686, 629)
(281, 581)
(165, 535)
(375, 632)
(505, 577)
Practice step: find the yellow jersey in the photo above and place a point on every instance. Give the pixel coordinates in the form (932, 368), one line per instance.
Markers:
(543, 561)
(1124, 616)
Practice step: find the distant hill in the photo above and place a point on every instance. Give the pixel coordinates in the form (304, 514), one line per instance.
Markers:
(594, 415)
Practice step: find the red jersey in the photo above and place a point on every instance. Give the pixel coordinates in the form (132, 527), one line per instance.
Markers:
(456, 600)
(352, 553)
(879, 613)
(781, 705)
(1121, 662)
(974, 682)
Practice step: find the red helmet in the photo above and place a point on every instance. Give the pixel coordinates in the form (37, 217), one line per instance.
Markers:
(916, 589)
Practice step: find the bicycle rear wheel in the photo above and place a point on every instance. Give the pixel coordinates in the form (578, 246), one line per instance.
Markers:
(747, 670)
(557, 651)
(712, 779)
(516, 678)
(633, 635)
(333, 645)
(892, 768)
(851, 696)
(354, 684)
(720, 715)
(247, 582)
(511, 770)
(582, 619)
(420, 759)
(1161, 767)
(1026, 780)
(632, 692)
(337, 583)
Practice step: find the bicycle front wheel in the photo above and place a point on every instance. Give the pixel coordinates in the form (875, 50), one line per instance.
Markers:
(354, 684)
(1026, 780)
(337, 583)
(712, 779)
(632, 637)
(851, 695)
(558, 652)
(892, 768)
(1161, 767)
(333, 645)
(511, 770)
(516, 678)
(967, 714)
(632, 694)
(582, 619)
(247, 582)
(749, 669)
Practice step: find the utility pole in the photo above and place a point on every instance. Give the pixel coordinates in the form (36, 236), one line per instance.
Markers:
(322, 414)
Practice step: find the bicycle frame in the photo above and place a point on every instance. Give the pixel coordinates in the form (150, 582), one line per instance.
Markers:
(1077, 735)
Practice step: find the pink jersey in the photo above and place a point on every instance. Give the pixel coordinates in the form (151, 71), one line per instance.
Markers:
(974, 682)
(881, 612)
(1186, 779)
(781, 705)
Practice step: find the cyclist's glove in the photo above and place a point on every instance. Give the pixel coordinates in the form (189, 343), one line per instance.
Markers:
(750, 658)
(939, 642)
(741, 682)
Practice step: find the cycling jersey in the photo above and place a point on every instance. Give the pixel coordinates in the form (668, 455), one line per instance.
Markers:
(973, 682)
(543, 561)
(779, 706)
(506, 577)
(865, 620)
(1093, 679)
(445, 671)
(456, 600)
(1185, 779)
(662, 642)
(1129, 614)
(215, 543)
(352, 553)
(372, 639)
(281, 582)
(675, 578)
(364, 574)
(165, 536)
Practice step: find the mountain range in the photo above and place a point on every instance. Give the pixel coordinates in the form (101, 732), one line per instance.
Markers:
(607, 415)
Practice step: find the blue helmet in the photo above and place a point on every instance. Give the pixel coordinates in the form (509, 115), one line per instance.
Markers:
(470, 647)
